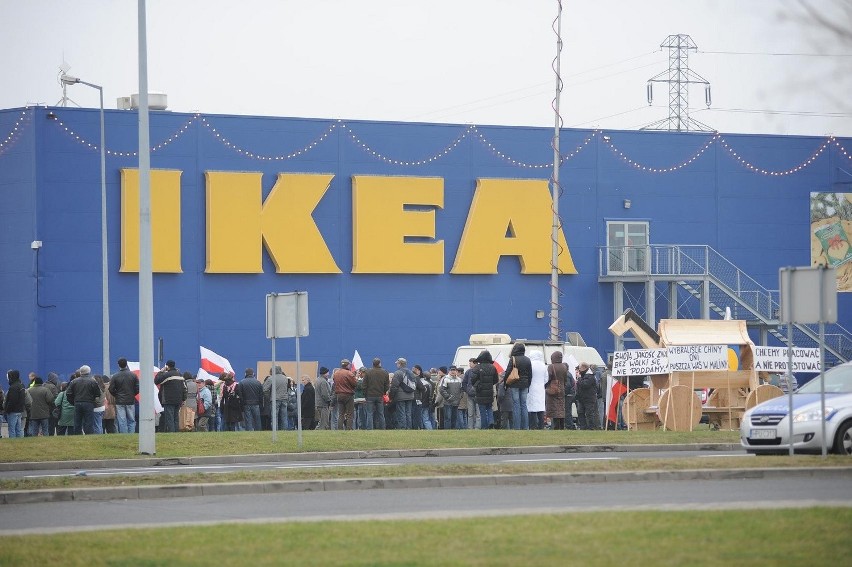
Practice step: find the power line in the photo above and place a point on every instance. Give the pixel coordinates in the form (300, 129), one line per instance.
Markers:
(781, 112)
(538, 87)
(769, 53)
(610, 116)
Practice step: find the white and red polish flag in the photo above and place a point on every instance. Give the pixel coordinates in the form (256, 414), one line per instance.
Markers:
(501, 362)
(134, 367)
(356, 362)
(212, 365)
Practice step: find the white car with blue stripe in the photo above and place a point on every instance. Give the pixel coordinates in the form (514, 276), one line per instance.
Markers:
(766, 428)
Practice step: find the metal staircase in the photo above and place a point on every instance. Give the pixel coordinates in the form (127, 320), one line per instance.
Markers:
(716, 284)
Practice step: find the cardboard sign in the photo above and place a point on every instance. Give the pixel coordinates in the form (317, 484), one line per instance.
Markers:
(775, 359)
(689, 358)
(640, 362)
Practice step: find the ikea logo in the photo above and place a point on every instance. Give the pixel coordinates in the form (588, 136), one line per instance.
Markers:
(393, 225)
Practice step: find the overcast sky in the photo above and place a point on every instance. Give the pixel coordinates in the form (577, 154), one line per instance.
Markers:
(456, 61)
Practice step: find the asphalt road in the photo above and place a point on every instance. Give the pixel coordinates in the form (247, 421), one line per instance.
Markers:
(377, 462)
(418, 503)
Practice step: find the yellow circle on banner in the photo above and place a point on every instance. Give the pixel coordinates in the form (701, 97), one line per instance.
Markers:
(733, 359)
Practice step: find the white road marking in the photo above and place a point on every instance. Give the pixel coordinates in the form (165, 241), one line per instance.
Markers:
(563, 459)
(215, 468)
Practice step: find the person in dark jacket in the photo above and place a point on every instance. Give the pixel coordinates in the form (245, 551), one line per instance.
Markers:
(232, 403)
(53, 384)
(483, 378)
(423, 400)
(587, 397)
(520, 389)
(83, 392)
(376, 385)
(558, 375)
(124, 386)
(172, 395)
(15, 404)
(42, 405)
(308, 403)
(252, 392)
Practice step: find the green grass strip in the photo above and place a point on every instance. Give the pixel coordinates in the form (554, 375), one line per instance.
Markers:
(813, 536)
(168, 445)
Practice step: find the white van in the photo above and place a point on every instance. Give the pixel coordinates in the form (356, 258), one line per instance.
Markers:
(500, 345)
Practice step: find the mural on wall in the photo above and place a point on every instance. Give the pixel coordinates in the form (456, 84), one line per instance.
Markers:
(831, 229)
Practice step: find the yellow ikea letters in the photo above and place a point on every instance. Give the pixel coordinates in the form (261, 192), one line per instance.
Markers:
(510, 217)
(393, 225)
(165, 220)
(239, 223)
(381, 224)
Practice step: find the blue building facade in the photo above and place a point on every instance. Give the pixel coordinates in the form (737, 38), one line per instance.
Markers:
(746, 196)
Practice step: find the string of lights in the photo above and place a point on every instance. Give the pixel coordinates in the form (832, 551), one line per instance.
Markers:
(24, 119)
(840, 147)
(621, 155)
(93, 146)
(776, 173)
(509, 159)
(15, 132)
(279, 157)
(453, 145)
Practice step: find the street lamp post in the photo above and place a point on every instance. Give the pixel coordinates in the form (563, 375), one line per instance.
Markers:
(69, 80)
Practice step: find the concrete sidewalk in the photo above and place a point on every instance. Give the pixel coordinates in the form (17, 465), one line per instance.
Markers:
(272, 487)
(341, 455)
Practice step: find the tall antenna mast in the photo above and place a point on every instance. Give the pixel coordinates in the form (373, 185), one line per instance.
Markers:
(678, 77)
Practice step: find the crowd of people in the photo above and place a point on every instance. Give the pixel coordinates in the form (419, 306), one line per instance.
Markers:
(529, 394)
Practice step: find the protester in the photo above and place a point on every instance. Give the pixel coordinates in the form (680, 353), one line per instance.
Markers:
(252, 393)
(65, 421)
(535, 397)
(204, 400)
(14, 405)
(558, 374)
(109, 408)
(451, 391)
(376, 385)
(484, 379)
(41, 406)
(124, 386)
(473, 419)
(402, 388)
(344, 388)
(587, 397)
(172, 395)
(520, 389)
(279, 407)
(232, 404)
(308, 403)
(360, 400)
(323, 399)
(83, 393)
(100, 405)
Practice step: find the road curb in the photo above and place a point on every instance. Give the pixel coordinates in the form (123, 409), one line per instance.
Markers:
(384, 483)
(344, 455)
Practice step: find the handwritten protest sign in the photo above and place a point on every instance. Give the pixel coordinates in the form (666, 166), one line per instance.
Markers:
(640, 362)
(697, 357)
(774, 359)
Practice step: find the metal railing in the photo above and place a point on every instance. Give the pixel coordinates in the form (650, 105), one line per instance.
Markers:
(746, 297)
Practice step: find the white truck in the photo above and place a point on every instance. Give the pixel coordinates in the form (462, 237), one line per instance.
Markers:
(500, 345)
